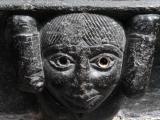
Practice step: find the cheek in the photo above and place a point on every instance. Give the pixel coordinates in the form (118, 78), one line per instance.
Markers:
(106, 79)
(57, 78)
(105, 83)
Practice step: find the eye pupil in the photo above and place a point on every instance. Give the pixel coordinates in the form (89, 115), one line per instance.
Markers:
(103, 62)
(63, 60)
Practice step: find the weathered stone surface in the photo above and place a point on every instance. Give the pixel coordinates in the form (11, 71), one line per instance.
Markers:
(137, 6)
(18, 105)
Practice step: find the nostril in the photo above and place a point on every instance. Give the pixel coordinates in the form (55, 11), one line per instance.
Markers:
(84, 97)
(88, 86)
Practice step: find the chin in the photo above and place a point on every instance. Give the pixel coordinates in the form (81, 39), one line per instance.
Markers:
(84, 109)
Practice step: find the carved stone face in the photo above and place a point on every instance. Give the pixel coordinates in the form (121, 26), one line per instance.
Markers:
(83, 55)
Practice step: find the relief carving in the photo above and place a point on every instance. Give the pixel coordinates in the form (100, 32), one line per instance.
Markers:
(80, 65)
(25, 39)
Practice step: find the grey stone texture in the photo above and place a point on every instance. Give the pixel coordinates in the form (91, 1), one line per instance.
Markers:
(18, 105)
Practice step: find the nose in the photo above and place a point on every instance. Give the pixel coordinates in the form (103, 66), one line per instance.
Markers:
(82, 73)
(85, 91)
(83, 69)
(86, 86)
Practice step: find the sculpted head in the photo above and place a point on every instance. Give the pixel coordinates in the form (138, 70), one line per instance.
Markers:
(82, 55)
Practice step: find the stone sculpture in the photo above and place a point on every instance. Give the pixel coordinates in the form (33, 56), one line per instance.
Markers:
(83, 55)
(89, 61)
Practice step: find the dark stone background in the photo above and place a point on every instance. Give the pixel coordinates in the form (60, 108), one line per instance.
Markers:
(16, 105)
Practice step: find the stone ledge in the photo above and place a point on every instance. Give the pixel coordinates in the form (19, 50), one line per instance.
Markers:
(148, 6)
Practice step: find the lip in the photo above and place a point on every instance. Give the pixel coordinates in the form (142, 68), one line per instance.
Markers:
(79, 102)
(92, 98)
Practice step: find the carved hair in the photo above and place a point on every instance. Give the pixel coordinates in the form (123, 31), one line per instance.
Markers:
(91, 28)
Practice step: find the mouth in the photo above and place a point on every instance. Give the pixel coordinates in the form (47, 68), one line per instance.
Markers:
(79, 103)
(83, 104)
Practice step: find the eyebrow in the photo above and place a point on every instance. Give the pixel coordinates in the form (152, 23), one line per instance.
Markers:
(107, 48)
(94, 49)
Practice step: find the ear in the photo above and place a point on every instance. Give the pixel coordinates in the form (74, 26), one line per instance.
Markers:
(138, 57)
(25, 39)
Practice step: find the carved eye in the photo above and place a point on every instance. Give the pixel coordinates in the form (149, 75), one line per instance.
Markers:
(103, 61)
(61, 61)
